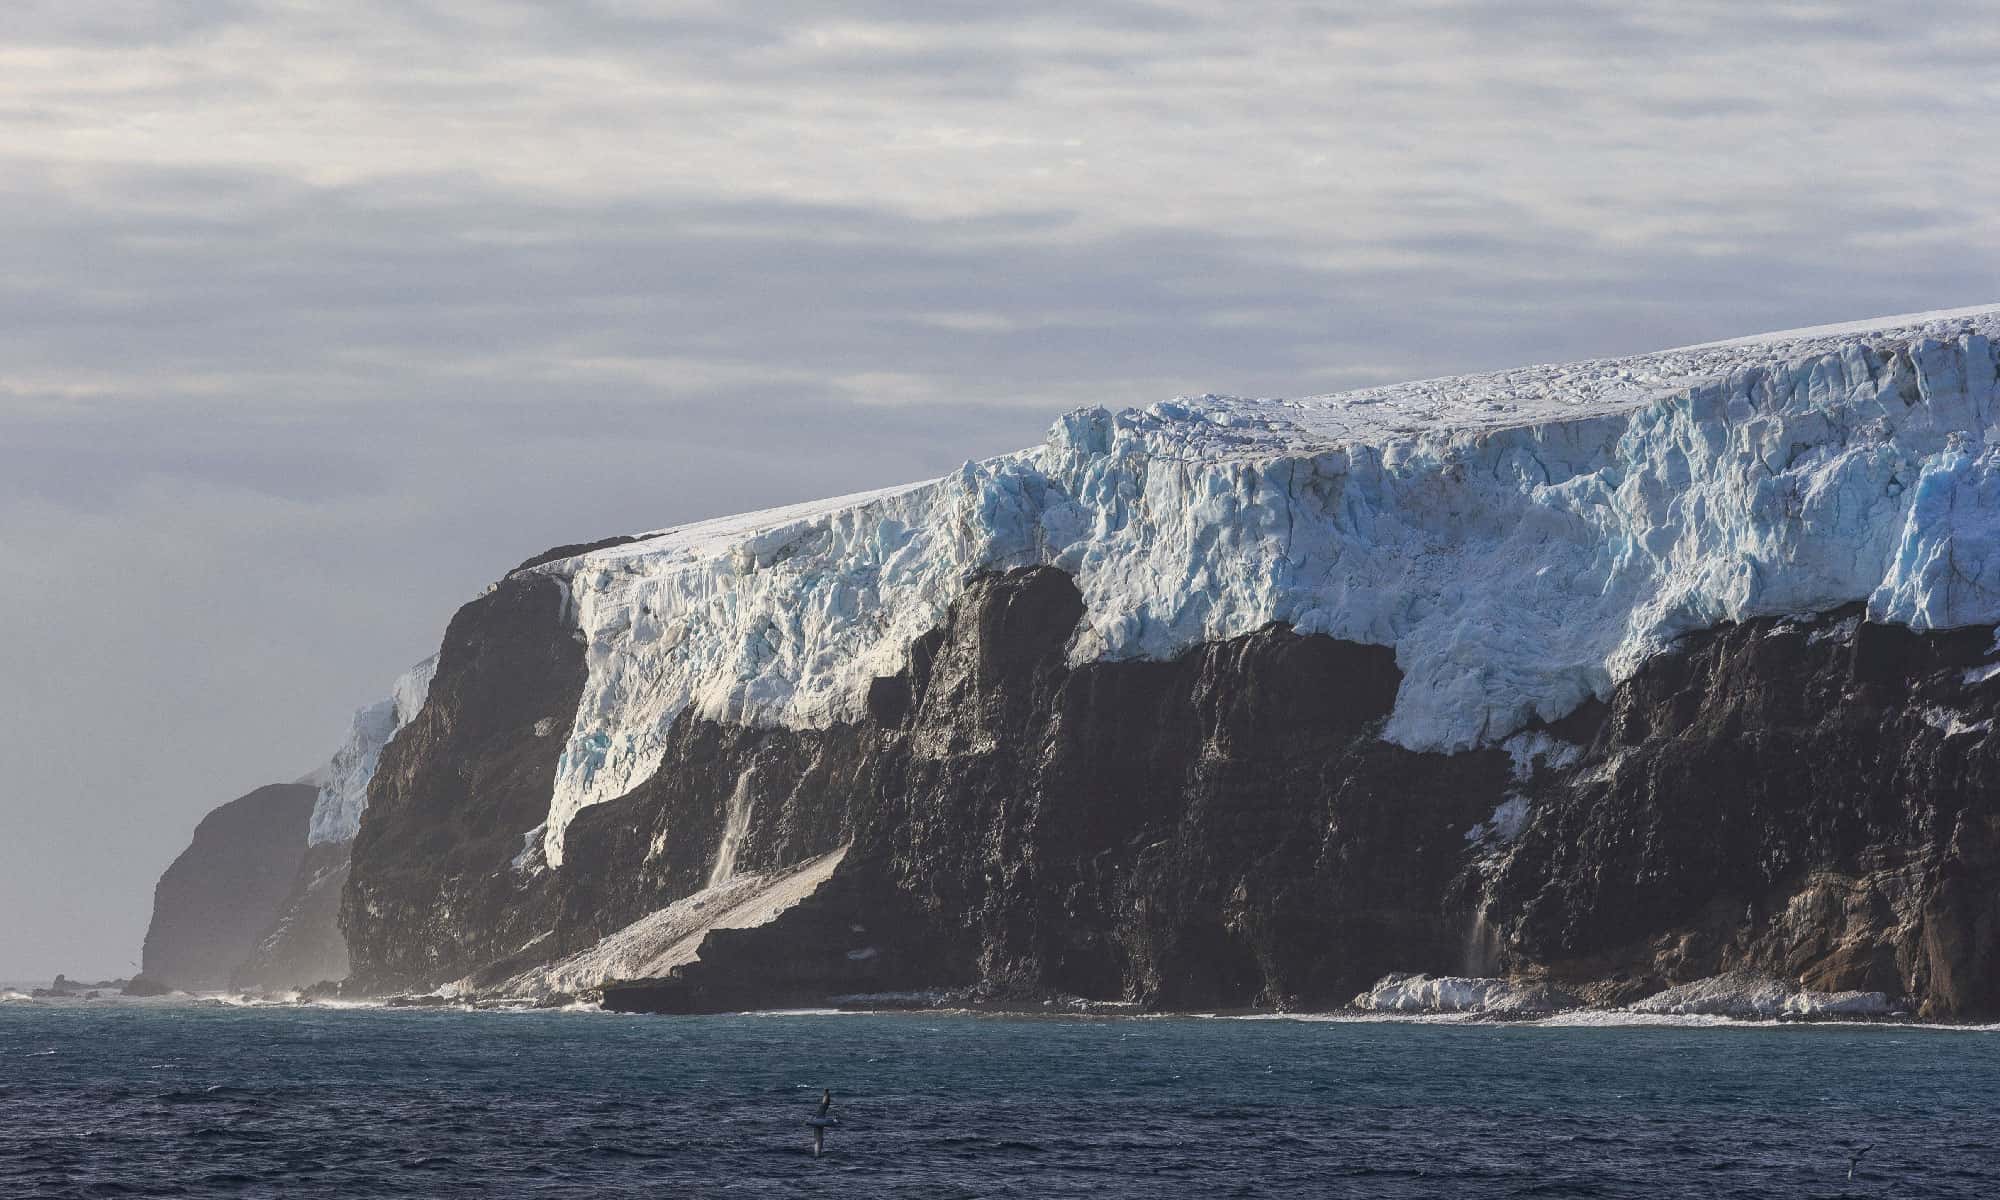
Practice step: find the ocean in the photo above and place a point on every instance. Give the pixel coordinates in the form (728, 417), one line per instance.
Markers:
(113, 1098)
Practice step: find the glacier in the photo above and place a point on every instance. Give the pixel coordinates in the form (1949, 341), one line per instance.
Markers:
(1523, 539)
(343, 781)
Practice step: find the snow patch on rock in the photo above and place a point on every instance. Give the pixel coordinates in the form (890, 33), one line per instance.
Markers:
(1978, 675)
(1529, 749)
(529, 860)
(1523, 539)
(670, 937)
(1747, 994)
(1509, 820)
(1953, 724)
(1842, 631)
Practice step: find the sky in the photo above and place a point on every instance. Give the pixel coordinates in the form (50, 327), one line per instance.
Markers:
(316, 317)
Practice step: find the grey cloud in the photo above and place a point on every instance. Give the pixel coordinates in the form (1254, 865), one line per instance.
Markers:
(344, 301)
(102, 477)
(763, 22)
(121, 23)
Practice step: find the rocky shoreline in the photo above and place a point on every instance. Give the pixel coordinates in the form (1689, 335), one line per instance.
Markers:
(946, 1004)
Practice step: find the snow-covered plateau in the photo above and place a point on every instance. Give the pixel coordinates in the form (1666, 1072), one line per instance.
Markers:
(1523, 539)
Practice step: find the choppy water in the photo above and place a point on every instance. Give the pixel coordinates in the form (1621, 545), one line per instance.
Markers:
(110, 1099)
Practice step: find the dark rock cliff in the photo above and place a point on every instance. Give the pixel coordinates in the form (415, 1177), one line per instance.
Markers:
(1817, 799)
(303, 945)
(214, 901)
(1807, 797)
(1218, 830)
(432, 893)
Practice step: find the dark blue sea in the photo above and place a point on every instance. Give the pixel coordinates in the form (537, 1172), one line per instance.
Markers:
(124, 1099)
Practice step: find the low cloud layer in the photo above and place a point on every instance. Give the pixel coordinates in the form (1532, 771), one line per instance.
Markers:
(315, 318)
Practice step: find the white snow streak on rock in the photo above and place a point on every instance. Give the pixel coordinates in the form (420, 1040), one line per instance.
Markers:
(1526, 749)
(529, 860)
(1952, 724)
(1508, 822)
(1523, 539)
(1978, 675)
(670, 937)
(735, 821)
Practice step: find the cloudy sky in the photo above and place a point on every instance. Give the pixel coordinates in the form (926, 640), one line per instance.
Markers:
(317, 316)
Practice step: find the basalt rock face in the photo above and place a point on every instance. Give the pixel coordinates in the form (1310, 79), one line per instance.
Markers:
(303, 945)
(432, 892)
(1217, 830)
(224, 890)
(1809, 799)
(792, 792)
(1815, 799)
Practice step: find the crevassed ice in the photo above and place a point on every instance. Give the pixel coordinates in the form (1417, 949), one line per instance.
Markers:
(1523, 539)
(343, 790)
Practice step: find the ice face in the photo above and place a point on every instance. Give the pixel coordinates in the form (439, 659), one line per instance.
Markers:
(1945, 568)
(343, 790)
(1459, 994)
(1523, 539)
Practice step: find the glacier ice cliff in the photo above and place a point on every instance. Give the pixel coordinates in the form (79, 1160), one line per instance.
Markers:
(1450, 994)
(298, 938)
(343, 789)
(1523, 540)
